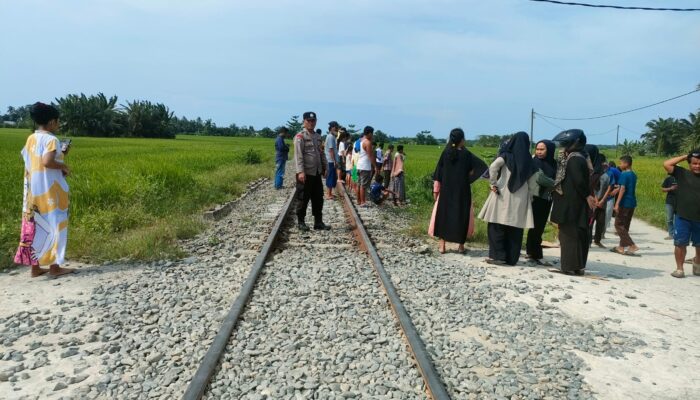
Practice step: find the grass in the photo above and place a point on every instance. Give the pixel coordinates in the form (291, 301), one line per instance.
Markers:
(421, 161)
(134, 198)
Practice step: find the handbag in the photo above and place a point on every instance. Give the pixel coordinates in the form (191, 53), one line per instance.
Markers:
(25, 255)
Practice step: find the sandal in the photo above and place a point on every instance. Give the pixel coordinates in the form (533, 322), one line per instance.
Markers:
(678, 274)
(615, 250)
(495, 262)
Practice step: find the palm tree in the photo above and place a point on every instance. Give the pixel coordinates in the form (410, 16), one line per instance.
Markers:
(664, 135)
(627, 148)
(692, 126)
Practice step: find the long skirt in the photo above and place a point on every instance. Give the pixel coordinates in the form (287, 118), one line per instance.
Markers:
(398, 188)
(470, 227)
(505, 243)
(540, 214)
(574, 242)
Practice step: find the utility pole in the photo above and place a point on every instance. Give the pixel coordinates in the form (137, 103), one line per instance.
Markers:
(617, 139)
(532, 124)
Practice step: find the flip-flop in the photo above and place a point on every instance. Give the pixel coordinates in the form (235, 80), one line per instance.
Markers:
(615, 250)
(631, 254)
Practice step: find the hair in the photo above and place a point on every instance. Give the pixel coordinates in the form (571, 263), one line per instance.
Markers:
(626, 159)
(319, 131)
(282, 130)
(399, 147)
(456, 137)
(611, 164)
(374, 144)
(391, 146)
(381, 145)
(42, 113)
(379, 178)
(368, 130)
(694, 154)
(603, 159)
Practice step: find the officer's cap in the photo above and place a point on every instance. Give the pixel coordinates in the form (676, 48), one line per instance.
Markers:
(309, 115)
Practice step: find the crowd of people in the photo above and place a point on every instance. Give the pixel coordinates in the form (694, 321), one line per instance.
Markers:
(576, 189)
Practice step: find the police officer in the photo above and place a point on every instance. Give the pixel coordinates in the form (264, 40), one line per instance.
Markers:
(311, 166)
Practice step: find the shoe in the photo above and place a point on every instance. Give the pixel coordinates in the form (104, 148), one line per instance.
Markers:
(303, 227)
(495, 262)
(678, 274)
(320, 226)
(580, 272)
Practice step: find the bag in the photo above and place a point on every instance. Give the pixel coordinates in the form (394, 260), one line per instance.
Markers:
(25, 255)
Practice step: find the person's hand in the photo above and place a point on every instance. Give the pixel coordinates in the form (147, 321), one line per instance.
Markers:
(591, 202)
(301, 177)
(67, 149)
(325, 174)
(65, 170)
(435, 195)
(616, 209)
(494, 189)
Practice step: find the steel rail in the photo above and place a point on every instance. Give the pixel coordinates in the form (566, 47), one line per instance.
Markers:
(435, 387)
(200, 381)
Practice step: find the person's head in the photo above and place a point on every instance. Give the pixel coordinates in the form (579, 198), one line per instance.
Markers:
(544, 149)
(283, 131)
(320, 132)
(381, 146)
(399, 148)
(390, 148)
(374, 145)
(45, 116)
(625, 162)
(694, 161)
(612, 164)
(571, 140)
(378, 178)
(310, 121)
(333, 127)
(368, 132)
(456, 138)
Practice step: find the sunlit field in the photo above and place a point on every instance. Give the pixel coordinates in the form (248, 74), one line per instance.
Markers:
(135, 197)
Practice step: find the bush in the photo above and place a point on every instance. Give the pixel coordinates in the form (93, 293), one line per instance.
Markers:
(250, 157)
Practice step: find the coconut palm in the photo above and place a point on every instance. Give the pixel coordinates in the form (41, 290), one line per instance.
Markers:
(692, 134)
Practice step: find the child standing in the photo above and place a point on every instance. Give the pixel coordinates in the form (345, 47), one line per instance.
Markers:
(348, 167)
(397, 176)
(624, 207)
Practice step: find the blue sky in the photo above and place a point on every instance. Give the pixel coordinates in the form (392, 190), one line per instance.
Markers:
(400, 66)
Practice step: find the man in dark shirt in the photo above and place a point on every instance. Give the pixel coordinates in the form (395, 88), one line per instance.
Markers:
(669, 187)
(687, 221)
(281, 156)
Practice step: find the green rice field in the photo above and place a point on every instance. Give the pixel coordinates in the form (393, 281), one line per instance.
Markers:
(134, 197)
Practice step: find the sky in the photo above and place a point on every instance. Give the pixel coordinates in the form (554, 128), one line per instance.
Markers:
(400, 66)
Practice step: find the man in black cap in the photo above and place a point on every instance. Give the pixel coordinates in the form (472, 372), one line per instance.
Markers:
(311, 165)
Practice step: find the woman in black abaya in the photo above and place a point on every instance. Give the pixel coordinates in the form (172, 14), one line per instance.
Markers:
(541, 202)
(454, 173)
(572, 202)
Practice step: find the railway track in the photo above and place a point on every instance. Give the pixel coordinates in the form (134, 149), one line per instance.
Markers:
(311, 321)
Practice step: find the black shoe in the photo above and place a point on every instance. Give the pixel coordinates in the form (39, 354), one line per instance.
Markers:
(580, 272)
(320, 226)
(303, 227)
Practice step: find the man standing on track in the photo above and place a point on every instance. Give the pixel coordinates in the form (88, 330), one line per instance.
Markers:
(332, 158)
(366, 165)
(281, 156)
(311, 165)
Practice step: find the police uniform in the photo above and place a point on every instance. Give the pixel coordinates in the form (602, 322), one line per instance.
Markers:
(311, 160)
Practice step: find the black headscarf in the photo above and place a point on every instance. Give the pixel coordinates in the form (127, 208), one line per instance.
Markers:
(548, 164)
(596, 158)
(518, 160)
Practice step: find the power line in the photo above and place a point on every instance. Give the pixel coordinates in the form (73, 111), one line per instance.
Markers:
(566, 3)
(631, 131)
(551, 123)
(622, 112)
(602, 133)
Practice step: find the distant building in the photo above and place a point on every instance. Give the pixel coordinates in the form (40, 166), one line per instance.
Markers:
(8, 124)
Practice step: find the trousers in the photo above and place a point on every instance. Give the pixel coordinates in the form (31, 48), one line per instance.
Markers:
(311, 190)
(279, 174)
(622, 226)
(505, 243)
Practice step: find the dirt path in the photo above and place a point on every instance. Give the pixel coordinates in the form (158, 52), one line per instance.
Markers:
(638, 295)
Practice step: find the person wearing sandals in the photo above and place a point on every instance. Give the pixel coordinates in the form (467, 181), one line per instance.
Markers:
(541, 201)
(508, 208)
(46, 199)
(624, 208)
(572, 202)
(687, 219)
(453, 175)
